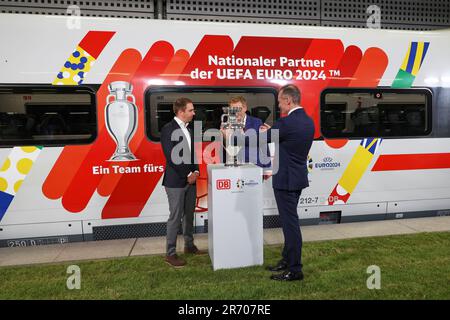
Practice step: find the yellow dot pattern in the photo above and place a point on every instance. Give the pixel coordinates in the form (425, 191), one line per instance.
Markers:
(17, 185)
(16, 167)
(24, 165)
(75, 68)
(28, 149)
(3, 184)
(6, 165)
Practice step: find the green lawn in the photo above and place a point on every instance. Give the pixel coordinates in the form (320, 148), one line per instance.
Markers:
(412, 267)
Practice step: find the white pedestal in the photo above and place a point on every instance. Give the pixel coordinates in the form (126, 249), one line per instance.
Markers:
(235, 216)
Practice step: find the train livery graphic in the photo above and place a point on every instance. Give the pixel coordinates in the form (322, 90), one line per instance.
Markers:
(81, 112)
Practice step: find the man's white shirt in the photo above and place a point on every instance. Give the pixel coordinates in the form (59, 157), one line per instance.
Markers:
(185, 130)
(186, 133)
(292, 110)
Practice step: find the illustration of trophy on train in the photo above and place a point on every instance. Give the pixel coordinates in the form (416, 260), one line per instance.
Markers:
(233, 127)
(121, 116)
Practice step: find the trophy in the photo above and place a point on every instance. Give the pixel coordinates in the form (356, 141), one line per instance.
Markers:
(234, 139)
(121, 119)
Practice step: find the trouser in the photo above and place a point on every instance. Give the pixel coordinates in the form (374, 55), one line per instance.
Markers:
(181, 207)
(287, 202)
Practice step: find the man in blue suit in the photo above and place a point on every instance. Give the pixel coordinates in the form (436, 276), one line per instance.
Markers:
(296, 134)
(251, 129)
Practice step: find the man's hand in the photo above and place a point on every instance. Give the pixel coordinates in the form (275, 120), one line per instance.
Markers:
(191, 179)
(264, 127)
(267, 174)
(226, 133)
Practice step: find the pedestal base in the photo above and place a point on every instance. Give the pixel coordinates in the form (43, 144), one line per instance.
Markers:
(235, 216)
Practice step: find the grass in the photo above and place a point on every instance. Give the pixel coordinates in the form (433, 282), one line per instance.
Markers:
(412, 267)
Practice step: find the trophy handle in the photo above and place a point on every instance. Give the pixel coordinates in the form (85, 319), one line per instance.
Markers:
(109, 96)
(133, 99)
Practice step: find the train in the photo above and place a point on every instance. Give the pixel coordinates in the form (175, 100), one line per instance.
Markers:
(380, 101)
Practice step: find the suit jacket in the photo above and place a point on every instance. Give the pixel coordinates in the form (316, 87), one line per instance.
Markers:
(296, 134)
(175, 175)
(252, 152)
(252, 123)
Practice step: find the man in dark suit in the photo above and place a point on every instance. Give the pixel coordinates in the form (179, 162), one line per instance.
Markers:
(179, 180)
(251, 129)
(296, 134)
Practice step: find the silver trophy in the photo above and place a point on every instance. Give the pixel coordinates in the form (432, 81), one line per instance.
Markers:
(121, 119)
(234, 139)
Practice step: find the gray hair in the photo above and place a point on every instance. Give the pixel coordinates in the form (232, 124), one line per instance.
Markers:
(291, 91)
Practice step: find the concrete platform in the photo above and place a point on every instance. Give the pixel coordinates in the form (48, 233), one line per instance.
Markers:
(93, 250)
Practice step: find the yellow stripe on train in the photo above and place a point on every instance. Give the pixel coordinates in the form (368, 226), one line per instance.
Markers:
(355, 169)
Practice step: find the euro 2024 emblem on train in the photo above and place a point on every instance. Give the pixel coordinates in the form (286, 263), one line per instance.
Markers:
(121, 119)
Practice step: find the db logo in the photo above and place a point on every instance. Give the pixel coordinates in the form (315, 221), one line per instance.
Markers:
(223, 184)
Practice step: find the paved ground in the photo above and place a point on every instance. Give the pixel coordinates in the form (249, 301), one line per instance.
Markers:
(156, 245)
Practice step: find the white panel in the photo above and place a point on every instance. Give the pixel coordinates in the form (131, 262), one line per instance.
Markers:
(418, 205)
(347, 210)
(357, 209)
(235, 225)
(40, 230)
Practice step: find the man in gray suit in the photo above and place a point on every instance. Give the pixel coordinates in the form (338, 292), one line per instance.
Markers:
(179, 180)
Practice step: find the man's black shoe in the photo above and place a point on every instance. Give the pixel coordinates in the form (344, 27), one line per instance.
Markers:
(287, 276)
(281, 266)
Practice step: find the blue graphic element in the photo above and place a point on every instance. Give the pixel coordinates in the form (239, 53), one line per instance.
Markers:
(74, 66)
(60, 75)
(5, 201)
(67, 64)
(412, 57)
(374, 147)
(76, 54)
(81, 74)
(425, 49)
(81, 66)
(366, 142)
(83, 60)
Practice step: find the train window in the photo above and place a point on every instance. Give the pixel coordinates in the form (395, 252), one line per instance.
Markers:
(46, 115)
(208, 103)
(355, 113)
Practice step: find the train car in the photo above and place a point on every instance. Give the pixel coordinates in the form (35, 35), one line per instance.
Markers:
(380, 100)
